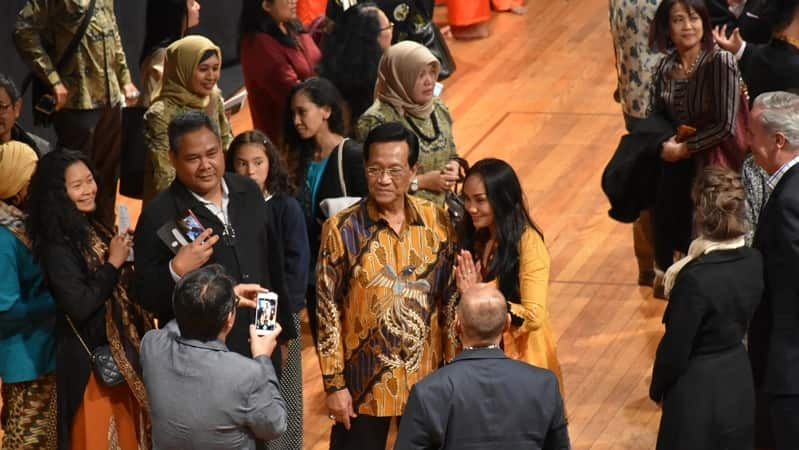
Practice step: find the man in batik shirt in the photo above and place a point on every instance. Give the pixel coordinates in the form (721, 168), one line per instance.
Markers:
(383, 282)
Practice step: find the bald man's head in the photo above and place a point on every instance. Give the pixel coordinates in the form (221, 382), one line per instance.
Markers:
(483, 313)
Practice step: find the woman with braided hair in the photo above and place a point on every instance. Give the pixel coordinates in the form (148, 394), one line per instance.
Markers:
(701, 376)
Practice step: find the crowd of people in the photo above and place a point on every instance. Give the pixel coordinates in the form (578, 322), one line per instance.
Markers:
(707, 89)
(115, 337)
(425, 281)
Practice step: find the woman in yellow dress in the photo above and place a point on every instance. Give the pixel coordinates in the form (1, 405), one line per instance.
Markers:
(508, 251)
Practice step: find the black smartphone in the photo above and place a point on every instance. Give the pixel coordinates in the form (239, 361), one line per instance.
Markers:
(190, 226)
(265, 312)
(46, 104)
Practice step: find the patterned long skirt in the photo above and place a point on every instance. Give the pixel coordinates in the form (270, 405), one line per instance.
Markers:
(29, 414)
(291, 390)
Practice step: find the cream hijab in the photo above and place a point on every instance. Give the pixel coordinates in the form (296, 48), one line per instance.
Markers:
(182, 57)
(396, 77)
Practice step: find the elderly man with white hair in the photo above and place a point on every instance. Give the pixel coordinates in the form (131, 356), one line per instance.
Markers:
(774, 332)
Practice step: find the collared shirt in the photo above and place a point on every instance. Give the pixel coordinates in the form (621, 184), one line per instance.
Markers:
(220, 213)
(202, 395)
(382, 303)
(775, 178)
(96, 72)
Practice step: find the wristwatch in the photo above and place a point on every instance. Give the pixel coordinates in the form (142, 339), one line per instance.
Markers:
(414, 185)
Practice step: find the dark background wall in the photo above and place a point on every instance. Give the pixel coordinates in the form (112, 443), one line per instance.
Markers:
(218, 20)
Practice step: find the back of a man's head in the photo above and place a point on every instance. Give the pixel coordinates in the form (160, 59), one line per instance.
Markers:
(202, 302)
(483, 313)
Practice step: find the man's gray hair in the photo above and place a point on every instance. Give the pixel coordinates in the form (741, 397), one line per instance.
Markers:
(780, 114)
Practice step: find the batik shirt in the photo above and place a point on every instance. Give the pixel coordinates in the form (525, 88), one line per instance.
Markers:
(96, 72)
(635, 62)
(382, 303)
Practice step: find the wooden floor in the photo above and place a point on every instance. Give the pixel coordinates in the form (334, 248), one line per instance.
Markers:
(538, 93)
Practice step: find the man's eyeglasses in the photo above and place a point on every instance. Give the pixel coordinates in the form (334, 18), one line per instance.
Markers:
(389, 27)
(378, 173)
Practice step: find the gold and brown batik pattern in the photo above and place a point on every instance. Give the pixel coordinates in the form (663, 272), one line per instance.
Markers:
(381, 303)
(29, 415)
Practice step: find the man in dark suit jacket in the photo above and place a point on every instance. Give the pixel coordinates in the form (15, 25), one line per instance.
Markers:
(238, 234)
(747, 15)
(483, 399)
(774, 332)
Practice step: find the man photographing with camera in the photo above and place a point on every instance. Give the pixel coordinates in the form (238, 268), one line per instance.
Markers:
(201, 394)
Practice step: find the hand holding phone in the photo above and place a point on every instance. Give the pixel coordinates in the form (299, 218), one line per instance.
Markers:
(196, 254)
(265, 312)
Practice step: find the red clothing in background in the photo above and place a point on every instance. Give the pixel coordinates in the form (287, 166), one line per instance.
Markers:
(270, 70)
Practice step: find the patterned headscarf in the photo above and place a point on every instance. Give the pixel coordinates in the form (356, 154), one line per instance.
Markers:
(399, 68)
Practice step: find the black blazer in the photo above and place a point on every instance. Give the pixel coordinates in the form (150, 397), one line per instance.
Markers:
(755, 27)
(774, 334)
(485, 400)
(256, 256)
(330, 187)
(711, 305)
(770, 67)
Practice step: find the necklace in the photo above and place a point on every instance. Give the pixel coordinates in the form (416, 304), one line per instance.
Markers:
(482, 347)
(692, 67)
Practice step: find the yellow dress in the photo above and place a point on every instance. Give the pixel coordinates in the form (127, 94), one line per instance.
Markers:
(532, 342)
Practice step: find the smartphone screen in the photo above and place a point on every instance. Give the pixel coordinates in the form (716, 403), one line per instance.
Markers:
(265, 312)
(46, 104)
(191, 226)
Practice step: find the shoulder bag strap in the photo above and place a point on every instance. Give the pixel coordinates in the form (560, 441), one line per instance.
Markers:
(72, 325)
(73, 44)
(341, 166)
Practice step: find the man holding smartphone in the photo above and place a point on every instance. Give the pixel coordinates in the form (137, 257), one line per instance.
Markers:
(237, 233)
(88, 88)
(233, 400)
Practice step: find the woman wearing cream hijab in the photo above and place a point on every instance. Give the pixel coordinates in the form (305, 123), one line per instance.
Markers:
(28, 312)
(190, 76)
(404, 93)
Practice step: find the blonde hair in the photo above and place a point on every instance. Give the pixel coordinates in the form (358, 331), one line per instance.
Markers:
(719, 201)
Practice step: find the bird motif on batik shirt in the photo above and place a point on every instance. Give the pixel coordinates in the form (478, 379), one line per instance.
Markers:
(399, 319)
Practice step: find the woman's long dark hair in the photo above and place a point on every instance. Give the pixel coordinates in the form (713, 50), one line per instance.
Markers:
(165, 22)
(277, 180)
(299, 151)
(352, 54)
(52, 215)
(511, 218)
(254, 19)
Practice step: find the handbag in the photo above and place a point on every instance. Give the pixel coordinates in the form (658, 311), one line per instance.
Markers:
(430, 36)
(456, 206)
(103, 364)
(730, 153)
(134, 152)
(40, 88)
(331, 206)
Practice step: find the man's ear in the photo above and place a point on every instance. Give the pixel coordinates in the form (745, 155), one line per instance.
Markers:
(780, 140)
(17, 109)
(507, 323)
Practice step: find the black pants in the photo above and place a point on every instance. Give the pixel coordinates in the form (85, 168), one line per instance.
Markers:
(365, 433)
(98, 134)
(784, 411)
